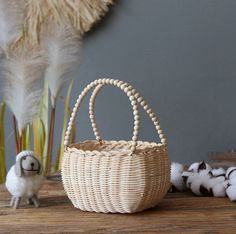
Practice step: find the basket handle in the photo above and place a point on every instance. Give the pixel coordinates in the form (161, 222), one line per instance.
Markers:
(139, 99)
(113, 82)
(127, 89)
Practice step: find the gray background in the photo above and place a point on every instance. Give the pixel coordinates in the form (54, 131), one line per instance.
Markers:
(181, 56)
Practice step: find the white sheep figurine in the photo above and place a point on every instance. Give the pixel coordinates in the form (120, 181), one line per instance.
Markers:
(24, 179)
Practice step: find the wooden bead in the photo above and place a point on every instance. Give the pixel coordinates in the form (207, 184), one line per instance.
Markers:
(79, 98)
(129, 93)
(163, 141)
(161, 136)
(111, 81)
(122, 86)
(145, 107)
(151, 114)
(140, 99)
(120, 83)
(154, 119)
(143, 103)
(115, 82)
(136, 127)
(131, 98)
(126, 89)
(75, 109)
(134, 138)
(89, 86)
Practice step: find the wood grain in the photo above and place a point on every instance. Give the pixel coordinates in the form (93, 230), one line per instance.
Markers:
(177, 213)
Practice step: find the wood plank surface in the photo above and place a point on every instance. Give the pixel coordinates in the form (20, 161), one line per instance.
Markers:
(177, 213)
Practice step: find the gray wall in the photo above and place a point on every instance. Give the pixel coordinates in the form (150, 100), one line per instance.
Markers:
(181, 56)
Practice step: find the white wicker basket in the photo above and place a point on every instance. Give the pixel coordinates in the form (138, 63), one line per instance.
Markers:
(115, 176)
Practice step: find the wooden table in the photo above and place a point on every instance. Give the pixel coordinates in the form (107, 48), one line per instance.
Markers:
(177, 213)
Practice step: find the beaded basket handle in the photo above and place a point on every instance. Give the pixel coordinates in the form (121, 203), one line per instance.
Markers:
(133, 97)
(140, 100)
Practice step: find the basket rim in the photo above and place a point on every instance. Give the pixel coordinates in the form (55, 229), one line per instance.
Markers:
(150, 146)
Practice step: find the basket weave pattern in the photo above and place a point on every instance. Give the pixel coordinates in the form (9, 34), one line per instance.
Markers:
(115, 176)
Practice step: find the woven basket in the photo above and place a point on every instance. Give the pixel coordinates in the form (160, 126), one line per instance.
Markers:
(115, 176)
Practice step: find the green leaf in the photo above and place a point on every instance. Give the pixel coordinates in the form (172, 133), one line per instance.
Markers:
(67, 111)
(2, 144)
(39, 137)
(26, 138)
(40, 128)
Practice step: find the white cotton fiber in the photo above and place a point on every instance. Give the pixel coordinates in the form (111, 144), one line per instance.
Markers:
(218, 171)
(210, 182)
(196, 182)
(231, 172)
(194, 167)
(219, 189)
(231, 192)
(176, 176)
(232, 181)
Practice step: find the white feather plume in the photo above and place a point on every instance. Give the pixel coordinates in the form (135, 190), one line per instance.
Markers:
(11, 21)
(62, 47)
(22, 72)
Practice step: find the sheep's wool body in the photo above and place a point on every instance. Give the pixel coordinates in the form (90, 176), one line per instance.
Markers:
(23, 186)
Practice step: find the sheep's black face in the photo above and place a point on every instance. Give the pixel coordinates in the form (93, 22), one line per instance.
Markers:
(30, 165)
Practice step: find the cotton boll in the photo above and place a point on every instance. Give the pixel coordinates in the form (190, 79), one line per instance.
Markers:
(219, 189)
(231, 192)
(193, 167)
(212, 181)
(197, 166)
(218, 171)
(232, 181)
(185, 176)
(216, 184)
(196, 182)
(231, 172)
(176, 177)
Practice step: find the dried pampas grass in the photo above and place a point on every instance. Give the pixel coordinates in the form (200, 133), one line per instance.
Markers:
(23, 75)
(11, 22)
(62, 47)
(80, 14)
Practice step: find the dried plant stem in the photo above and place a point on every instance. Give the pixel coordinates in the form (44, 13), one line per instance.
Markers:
(20, 143)
(51, 138)
(2, 144)
(16, 134)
